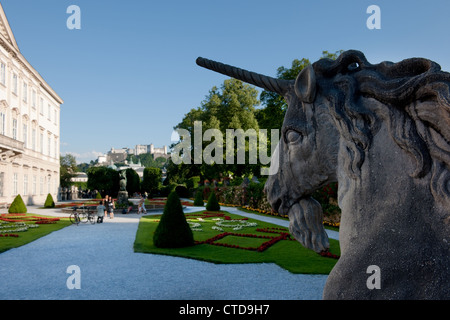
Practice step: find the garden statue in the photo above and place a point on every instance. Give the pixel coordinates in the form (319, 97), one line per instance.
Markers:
(123, 180)
(122, 197)
(383, 133)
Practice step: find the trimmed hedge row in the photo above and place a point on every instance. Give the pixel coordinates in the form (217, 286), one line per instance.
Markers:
(253, 196)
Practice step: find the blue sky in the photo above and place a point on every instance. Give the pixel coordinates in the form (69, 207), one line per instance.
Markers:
(129, 75)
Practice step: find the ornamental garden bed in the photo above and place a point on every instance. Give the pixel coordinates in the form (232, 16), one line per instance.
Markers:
(84, 203)
(18, 229)
(161, 201)
(221, 237)
(328, 223)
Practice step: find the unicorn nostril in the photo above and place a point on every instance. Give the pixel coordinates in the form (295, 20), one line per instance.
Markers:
(276, 206)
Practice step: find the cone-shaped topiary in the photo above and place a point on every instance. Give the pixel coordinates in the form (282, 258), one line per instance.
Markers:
(212, 204)
(17, 206)
(173, 231)
(198, 201)
(49, 203)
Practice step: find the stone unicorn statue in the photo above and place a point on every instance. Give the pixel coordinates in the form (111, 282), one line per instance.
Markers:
(383, 133)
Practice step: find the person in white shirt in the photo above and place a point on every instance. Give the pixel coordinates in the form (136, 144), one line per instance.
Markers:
(141, 206)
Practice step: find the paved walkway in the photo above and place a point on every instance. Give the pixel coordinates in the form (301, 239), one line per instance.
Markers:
(110, 269)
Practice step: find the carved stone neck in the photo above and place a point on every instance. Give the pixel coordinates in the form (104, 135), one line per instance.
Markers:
(377, 229)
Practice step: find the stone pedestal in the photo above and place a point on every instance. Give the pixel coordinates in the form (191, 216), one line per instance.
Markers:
(122, 198)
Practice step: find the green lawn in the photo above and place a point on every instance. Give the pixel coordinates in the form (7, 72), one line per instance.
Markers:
(31, 234)
(288, 254)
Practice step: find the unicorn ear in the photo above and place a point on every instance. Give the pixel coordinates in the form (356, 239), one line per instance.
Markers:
(305, 85)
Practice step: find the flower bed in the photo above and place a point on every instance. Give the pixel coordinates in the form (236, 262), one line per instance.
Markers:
(162, 202)
(328, 254)
(268, 212)
(90, 203)
(10, 223)
(22, 217)
(11, 235)
(19, 229)
(261, 248)
(264, 243)
(253, 198)
(222, 221)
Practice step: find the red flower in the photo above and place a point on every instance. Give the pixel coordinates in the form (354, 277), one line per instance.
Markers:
(328, 254)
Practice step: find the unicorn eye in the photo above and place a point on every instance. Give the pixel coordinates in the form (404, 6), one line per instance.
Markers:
(353, 66)
(293, 136)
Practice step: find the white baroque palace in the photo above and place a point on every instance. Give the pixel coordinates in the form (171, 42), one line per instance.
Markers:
(29, 127)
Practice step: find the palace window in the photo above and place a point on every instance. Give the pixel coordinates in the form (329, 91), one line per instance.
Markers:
(15, 182)
(2, 180)
(33, 98)
(25, 184)
(14, 129)
(41, 184)
(25, 136)
(33, 139)
(25, 92)
(14, 83)
(34, 185)
(41, 109)
(3, 73)
(2, 123)
(41, 142)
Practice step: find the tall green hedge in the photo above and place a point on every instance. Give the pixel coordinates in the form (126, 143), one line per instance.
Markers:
(49, 203)
(173, 231)
(212, 204)
(17, 206)
(198, 201)
(152, 178)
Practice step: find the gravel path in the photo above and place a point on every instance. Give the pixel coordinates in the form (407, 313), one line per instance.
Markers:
(109, 269)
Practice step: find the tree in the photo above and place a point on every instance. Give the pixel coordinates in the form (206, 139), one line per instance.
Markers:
(230, 107)
(152, 180)
(147, 160)
(272, 115)
(173, 231)
(133, 181)
(83, 167)
(103, 178)
(233, 106)
(68, 168)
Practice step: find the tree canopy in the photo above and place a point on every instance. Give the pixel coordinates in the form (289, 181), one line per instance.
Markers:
(68, 168)
(147, 160)
(272, 115)
(152, 180)
(234, 106)
(103, 179)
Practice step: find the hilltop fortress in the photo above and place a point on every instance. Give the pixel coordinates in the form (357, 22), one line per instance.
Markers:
(120, 155)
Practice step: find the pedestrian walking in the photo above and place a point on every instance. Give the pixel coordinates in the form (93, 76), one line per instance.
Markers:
(141, 206)
(110, 207)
